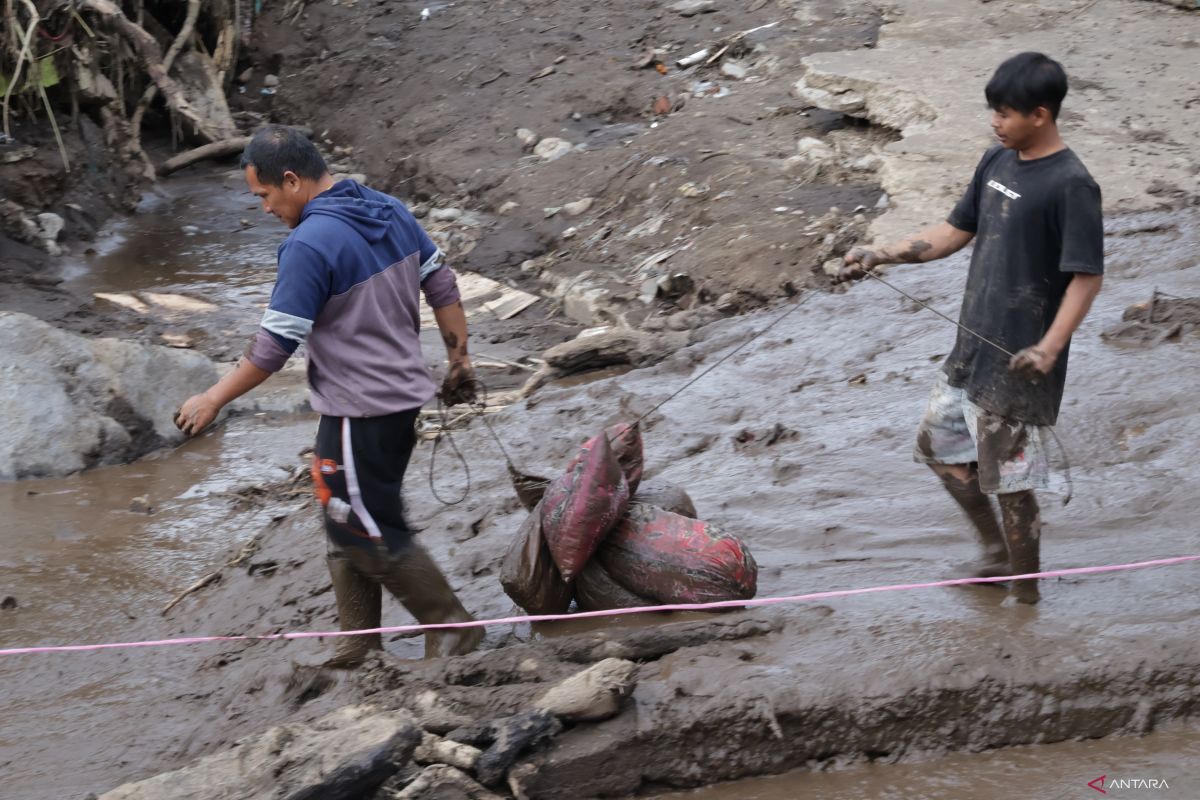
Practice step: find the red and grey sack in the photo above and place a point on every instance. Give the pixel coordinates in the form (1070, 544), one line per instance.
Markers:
(582, 506)
(672, 559)
(595, 590)
(626, 443)
(528, 574)
(667, 496)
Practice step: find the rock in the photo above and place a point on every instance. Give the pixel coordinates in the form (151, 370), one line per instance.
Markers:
(570, 233)
(436, 715)
(271, 81)
(245, 75)
(674, 286)
(445, 214)
(690, 8)
(694, 191)
(735, 70)
(141, 505)
(50, 225)
(68, 402)
(519, 779)
(436, 750)
(815, 150)
(342, 756)
(526, 137)
(883, 202)
(846, 102)
(444, 782)
(551, 149)
(616, 346)
(578, 208)
(594, 694)
(508, 207)
(9, 603)
(867, 163)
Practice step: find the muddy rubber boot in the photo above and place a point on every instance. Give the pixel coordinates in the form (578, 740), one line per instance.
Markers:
(359, 606)
(1023, 530)
(994, 562)
(415, 580)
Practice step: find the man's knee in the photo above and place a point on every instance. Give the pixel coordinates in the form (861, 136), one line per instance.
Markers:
(957, 475)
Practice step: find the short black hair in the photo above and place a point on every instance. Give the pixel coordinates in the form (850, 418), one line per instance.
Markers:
(276, 149)
(1026, 81)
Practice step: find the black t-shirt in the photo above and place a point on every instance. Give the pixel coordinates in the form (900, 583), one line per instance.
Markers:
(1036, 223)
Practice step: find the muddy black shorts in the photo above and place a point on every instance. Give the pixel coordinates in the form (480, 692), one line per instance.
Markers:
(358, 473)
(1011, 455)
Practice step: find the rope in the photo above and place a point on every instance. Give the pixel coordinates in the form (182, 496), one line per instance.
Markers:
(726, 357)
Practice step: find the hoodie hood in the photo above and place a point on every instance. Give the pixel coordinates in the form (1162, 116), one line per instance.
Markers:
(369, 212)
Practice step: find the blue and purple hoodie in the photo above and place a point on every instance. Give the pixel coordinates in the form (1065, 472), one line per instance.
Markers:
(349, 280)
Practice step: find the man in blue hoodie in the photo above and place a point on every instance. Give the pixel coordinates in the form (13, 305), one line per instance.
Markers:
(348, 285)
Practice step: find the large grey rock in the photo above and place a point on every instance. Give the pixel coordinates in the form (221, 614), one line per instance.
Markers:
(341, 756)
(68, 403)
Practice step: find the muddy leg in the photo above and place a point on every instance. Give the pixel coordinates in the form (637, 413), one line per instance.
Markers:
(962, 482)
(1023, 529)
(415, 580)
(359, 606)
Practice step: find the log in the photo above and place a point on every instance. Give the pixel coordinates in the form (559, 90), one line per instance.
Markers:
(221, 149)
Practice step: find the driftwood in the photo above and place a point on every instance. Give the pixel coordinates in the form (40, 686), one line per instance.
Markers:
(222, 149)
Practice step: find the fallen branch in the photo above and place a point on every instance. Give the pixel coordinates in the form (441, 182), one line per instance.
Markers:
(222, 149)
(185, 33)
(195, 587)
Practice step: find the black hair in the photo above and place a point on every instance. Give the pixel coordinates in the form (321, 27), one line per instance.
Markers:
(1027, 81)
(277, 149)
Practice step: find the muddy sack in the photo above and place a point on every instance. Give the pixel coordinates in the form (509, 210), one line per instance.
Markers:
(528, 574)
(582, 506)
(595, 590)
(667, 496)
(626, 442)
(672, 559)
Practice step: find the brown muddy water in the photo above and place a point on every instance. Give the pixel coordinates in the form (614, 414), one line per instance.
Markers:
(822, 489)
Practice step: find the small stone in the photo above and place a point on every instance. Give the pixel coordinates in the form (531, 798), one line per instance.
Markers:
(690, 8)
(445, 214)
(508, 207)
(420, 211)
(271, 80)
(694, 190)
(883, 202)
(570, 233)
(246, 75)
(735, 70)
(815, 150)
(190, 230)
(141, 505)
(530, 267)
(578, 207)
(526, 137)
(552, 149)
(596, 693)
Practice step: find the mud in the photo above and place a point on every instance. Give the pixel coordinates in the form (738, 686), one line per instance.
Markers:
(915, 686)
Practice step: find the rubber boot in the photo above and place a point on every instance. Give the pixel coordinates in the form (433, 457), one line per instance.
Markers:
(982, 516)
(359, 606)
(1023, 529)
(415, 580)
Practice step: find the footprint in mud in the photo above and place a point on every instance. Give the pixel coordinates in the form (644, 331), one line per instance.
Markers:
(750, 441)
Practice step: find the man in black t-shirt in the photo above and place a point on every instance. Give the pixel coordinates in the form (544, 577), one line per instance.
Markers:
(1034, 213)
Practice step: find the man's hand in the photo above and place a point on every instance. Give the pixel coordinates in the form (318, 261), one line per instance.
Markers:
(196, 414)
(858, 262)
(1033, 363)
(459, 384)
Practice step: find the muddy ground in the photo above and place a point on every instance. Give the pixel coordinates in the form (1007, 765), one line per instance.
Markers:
(833, 502)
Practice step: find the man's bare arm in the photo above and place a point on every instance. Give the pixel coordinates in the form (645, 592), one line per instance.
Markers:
(458, 387)
(930, 244)
(1040, 358)
(198, 412)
